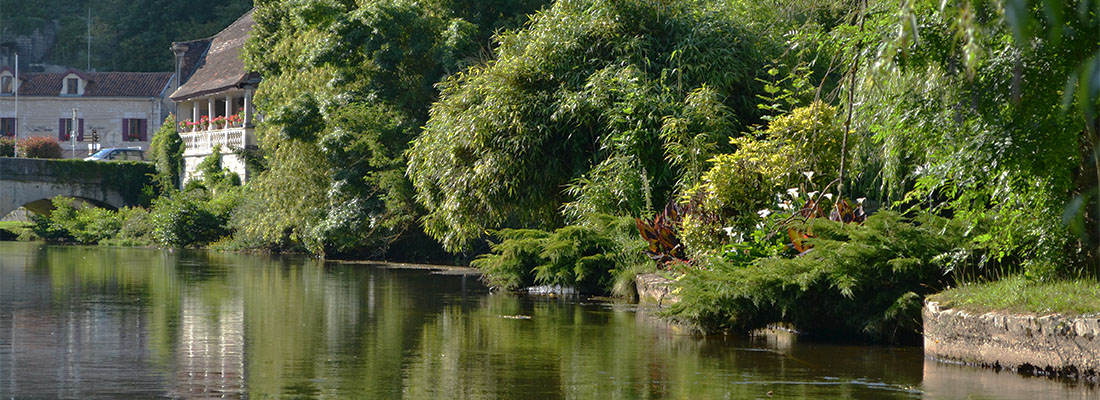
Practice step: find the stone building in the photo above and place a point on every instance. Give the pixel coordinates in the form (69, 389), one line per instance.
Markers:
(214, 100)
(113, 109)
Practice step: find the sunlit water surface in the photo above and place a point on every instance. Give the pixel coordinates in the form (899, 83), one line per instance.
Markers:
(97, 322)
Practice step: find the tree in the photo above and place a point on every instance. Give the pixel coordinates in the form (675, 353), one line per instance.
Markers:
(346, 87)
(590, 93)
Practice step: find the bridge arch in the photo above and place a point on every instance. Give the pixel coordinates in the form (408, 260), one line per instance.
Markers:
(30, 181)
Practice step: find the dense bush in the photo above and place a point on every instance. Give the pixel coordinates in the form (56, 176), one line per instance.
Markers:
(7, 147)
(166, 152)
(68, 222)
(40, 147)
(186, 219)
(596, 257)
(622, 100)
(859, 281)
(800, 149)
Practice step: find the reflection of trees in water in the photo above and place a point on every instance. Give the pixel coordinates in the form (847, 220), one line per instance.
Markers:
(211, 324)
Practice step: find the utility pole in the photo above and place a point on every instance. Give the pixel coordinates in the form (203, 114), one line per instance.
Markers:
(16, 105)
(72, 134)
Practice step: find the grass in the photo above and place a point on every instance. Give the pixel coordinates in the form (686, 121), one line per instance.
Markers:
(11, 230)
(1019, 295)
(10, 225)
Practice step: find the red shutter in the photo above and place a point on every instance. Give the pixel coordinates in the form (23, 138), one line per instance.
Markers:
(144, 130)
(80, 131)
(125, 129)
(62, 133)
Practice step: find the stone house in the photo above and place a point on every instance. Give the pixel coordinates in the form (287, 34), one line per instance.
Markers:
(119, 109)
(214, 98)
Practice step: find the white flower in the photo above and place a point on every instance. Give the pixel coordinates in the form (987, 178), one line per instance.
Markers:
(812, 194)
(860, 200)
(809, 175)
(729, 231)
(793, 192)
(786, 205)
(828, 196)
(764, 213)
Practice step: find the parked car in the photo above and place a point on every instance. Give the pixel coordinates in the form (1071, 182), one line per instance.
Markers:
(116, 154)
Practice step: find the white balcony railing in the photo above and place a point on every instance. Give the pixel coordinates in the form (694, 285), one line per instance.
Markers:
(202, 142)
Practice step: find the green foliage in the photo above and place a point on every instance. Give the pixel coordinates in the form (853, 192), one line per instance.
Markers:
(346, 87)
(587, 257)
(7, 147)
(214, 177)
(118, 42)
(586, 91)
(862, 281)
(974, 115)
(71, 223)
(186, 219)
(39, 147)
(804, 142)
(166, 152)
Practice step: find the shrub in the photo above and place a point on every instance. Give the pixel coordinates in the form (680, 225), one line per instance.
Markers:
(40, 147)
(741, 183)
(859, 281)
(166, 152)
(7, 147)
(70, 223)
(594, 257)
(185, 220)
(135, 228)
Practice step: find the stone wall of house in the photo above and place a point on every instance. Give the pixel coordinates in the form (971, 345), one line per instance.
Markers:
(1054, 344)
(39, 117)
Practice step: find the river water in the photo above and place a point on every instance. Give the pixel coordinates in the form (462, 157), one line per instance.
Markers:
(100, 322)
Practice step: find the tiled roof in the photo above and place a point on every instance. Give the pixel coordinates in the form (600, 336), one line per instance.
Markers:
(221, 67)
(100, 84)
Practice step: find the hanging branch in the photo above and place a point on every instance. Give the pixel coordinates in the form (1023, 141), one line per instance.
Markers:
(851, 96)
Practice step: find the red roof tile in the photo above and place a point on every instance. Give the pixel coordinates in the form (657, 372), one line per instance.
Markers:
(221, 67)
(100, 84)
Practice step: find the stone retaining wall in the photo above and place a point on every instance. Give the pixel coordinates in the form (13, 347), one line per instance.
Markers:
(654, 289)
(1052, 345)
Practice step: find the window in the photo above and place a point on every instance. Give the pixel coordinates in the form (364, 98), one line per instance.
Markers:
(65, 127)
(74, 83)
(7, 85)
(7, 126)
(134, 129)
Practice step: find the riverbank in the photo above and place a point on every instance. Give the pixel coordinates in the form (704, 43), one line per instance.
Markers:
(1049, 345)
(1035, 328)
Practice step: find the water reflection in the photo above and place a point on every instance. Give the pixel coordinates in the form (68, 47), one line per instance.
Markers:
(85, 322)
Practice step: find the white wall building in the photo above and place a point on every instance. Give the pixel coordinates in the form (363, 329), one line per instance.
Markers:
(215, 88)
(121, 109)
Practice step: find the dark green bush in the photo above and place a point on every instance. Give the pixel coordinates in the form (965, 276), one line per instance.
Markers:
(7, 147)
(592, 257)
(70, 223)
(185, 220)
(859, 281)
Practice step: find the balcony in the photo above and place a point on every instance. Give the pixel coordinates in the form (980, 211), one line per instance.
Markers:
(202, 143)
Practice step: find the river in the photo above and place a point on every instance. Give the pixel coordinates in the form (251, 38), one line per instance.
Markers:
(104, 322)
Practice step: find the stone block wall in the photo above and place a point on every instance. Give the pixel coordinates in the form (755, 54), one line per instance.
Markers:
(1054, 345)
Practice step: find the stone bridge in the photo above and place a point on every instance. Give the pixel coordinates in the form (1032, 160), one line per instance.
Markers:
(31, 183)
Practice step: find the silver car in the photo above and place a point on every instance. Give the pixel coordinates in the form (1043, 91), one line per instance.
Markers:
(114, 154)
